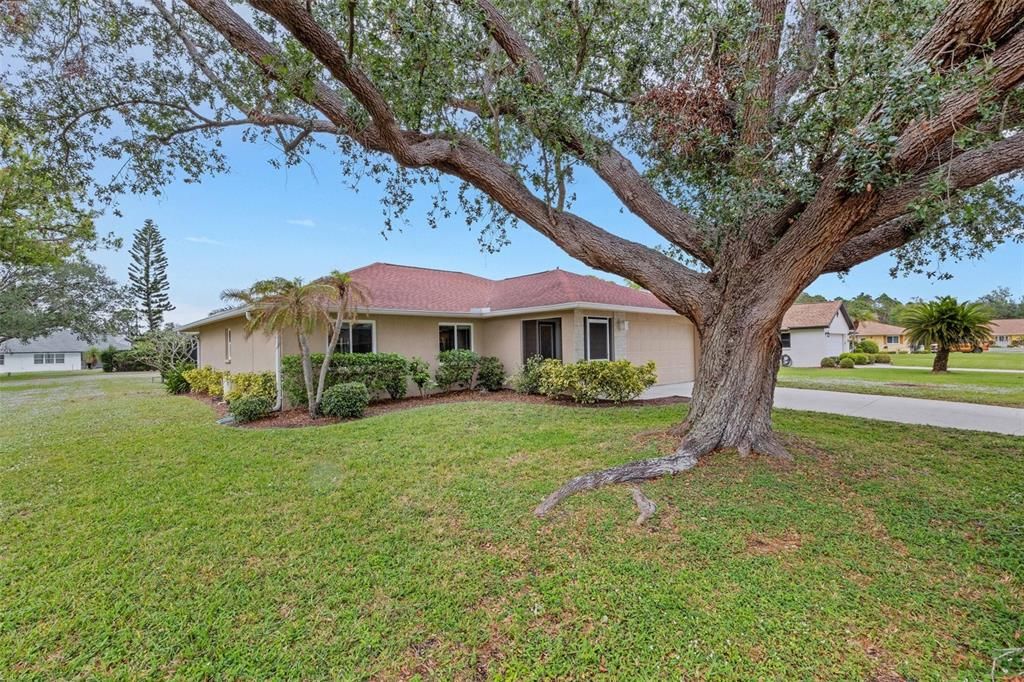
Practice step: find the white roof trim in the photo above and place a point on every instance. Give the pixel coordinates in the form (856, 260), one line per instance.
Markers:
(216, 317)
(573, 305)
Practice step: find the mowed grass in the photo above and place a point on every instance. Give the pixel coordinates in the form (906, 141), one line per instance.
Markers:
(988, 388)
(139, 539)
(992, 359)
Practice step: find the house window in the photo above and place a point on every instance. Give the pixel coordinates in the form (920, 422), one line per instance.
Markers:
(360, 337)
(47, 358)
(543, 338)
(999, 339)
(892, 339)
(455, 336)
(227, 345)
(2, 359)
(786, 341)
(598, 338)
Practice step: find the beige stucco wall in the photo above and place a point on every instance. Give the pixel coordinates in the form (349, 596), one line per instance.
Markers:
(668, 340)
(248, 354)
(505, 337)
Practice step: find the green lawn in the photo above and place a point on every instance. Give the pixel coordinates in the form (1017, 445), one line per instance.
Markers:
(989, 360)
(990, 388)
(139, 539)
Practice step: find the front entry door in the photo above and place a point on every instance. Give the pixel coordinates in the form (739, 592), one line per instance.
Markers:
(542, 337)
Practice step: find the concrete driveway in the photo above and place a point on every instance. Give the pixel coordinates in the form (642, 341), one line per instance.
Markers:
(969, 416)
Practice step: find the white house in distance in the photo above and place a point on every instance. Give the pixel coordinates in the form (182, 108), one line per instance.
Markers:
(812, 331)
(59, 351)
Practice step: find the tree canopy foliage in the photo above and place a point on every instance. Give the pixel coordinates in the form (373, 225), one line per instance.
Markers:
(41, 216)
(73, 294)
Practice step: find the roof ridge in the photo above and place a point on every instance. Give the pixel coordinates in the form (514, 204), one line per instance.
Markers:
(421, 267)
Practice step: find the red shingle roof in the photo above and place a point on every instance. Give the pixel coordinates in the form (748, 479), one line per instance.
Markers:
(811, 315)
(402, 287)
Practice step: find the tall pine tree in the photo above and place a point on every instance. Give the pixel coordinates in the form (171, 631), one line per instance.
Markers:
(147, 274)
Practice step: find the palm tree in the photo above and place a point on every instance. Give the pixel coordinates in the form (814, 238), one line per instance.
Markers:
(280, 304)
(947, 324)
(346, 297)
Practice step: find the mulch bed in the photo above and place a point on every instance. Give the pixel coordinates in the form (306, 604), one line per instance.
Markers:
(296, 417)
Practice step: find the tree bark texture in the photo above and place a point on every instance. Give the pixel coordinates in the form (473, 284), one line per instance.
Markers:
(941, 363)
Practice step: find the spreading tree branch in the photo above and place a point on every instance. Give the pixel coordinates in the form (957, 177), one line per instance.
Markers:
(458, 155)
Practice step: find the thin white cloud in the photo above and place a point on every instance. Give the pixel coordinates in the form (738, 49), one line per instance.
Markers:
(304, 222)
(204, 240)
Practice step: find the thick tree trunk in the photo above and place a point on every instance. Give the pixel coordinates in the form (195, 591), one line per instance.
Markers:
(941, 363)
(730, 407)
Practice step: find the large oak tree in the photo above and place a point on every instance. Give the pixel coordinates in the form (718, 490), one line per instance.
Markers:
(764, 142)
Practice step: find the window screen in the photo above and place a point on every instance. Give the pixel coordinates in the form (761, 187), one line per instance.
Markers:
(598, 338)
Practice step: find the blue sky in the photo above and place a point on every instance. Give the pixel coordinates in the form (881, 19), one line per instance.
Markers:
(258, 221)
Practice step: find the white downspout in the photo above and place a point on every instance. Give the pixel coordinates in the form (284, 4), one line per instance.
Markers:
(279, 403)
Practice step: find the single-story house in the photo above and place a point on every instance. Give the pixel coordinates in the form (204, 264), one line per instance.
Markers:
(59, 351)
(419, 312)
(1007, 332)
(812, 331)
(889, 337)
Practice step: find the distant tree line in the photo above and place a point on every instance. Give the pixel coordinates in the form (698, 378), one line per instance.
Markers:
(862, 307)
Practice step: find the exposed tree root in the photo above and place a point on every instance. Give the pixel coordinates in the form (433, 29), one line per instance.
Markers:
(770, 445)
(644, 504)
(684, 458)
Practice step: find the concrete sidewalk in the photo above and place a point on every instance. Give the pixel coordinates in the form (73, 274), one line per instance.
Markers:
(991, 418)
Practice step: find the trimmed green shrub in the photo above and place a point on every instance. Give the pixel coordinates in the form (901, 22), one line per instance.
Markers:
(860, 358)
(345, 400)
(247, 408)
(419, 372)
(245, 384)
(456, 367)
(866, 346)
(491, 374)
(128, 360)
(828, 362)
(883, 358)
(846, 363)
(845, 355)
(527, 380)
(588, 381)
(205, 380)
(174, 378)
(379, 372)
(107, 358)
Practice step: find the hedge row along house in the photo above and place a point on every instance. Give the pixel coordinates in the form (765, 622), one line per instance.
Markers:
(419, 312)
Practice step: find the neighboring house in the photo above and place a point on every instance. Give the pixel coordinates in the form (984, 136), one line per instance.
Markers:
(61, 350)
(419, 312)
(1007, 332)
(812, 331)
(889, 337)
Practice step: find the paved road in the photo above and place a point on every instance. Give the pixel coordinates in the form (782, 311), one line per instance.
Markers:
(992, 418)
